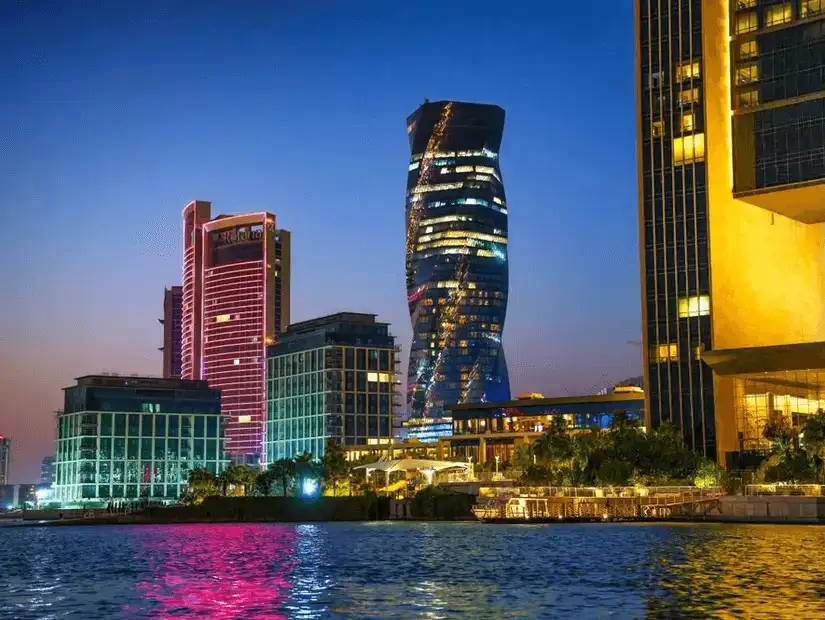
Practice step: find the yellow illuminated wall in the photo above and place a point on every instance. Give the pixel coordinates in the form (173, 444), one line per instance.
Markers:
(767, 276)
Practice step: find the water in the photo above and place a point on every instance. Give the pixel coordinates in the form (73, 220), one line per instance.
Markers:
(413, 570)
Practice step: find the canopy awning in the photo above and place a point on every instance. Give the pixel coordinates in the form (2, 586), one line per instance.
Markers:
(388, 466)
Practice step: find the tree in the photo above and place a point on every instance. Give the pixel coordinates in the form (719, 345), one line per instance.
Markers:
(264, 481)
(334, 464)
(201, 484)
(522, 457)
(708, 474)
(555, 444)
(306, 469)
(813, 440)
(283, 470)
(243, 476)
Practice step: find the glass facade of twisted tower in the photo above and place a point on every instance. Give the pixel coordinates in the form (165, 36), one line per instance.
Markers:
(731, 135)
(456, 256)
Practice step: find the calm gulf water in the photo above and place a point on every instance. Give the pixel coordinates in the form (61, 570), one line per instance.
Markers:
(413, 570)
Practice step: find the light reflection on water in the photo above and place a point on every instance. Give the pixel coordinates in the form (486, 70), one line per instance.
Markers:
(413, 570)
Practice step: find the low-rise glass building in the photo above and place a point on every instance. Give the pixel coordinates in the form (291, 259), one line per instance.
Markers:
(330, 377)
(484, 431)
(130, 438)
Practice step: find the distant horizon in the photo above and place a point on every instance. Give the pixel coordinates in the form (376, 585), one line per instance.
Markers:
(115, 118)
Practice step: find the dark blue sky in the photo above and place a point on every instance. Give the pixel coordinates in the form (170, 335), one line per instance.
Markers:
(114, 114)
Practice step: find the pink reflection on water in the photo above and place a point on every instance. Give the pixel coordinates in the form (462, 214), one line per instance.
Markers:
(218, 571)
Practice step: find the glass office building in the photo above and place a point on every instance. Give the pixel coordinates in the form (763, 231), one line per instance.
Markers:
(330, 377)
(456, 256)
(236, 283)
(129, 438)
(731, 139)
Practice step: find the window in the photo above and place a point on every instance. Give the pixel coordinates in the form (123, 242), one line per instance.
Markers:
(749, 98)
(747, 73)
(697, 352)
(223, 318)
(745, 4)
(747, 22)
(748, 50)
(687, 71)
(244, 419)
(809, 8)
(688, 96)
(687, 122)
(658, 129)
(694, 306)
(689, 149)
(777, 14)
(664, 353)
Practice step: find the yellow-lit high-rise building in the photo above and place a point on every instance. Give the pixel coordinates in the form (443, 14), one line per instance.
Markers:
(731, 147)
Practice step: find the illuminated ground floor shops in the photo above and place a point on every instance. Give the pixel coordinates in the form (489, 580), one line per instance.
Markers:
(409, 449)
(488, 431)
(758, 386)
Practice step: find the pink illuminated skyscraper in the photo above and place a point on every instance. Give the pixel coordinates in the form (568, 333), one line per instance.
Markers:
(235, 303)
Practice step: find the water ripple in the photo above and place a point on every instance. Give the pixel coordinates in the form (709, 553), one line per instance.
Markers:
(412, 570)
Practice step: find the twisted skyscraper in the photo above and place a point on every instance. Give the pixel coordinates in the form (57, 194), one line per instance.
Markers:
(457, 275)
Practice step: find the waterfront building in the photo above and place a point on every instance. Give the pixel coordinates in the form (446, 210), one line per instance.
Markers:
(330, 378)
(5, 458)
(17, 495)
(236, 282)
(394, 450)
(172, 334)
(456, 256)
(128, 438)
(484, 431)
(427, 430)
(731, 131)
(47, 471)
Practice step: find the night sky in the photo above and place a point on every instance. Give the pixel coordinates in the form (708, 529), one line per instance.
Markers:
(115, 114)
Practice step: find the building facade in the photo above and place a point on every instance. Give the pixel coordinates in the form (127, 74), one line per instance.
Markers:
(330, 377)
(731, 112)
(236, 303)
(172, 331)
(456, 256)
(486, 431)
(47, 471)
(5, 458)
(132, 438)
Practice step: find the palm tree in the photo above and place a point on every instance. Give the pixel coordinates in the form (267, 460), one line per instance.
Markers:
(334, 464)
(283, 470)
(304, 468)
(264, 481)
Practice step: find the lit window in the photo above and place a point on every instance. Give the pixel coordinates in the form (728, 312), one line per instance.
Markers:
(748, 50)
(687, 71)
(497, 200)
(689, 149)
(697, 352)
(747, 73)
(244, 419)
(746, 4)
(664, 353)
(687, 122)
(223, 318)
(385, 377)
(236, 362)
(485, 169)
(688, 96)
(463, 168)
(749, 98)
(658, 129)
(777, 14)
(372, 376)
(439, 187)
(694, 306)
(413, 166)
(809, 8)
(747, 22)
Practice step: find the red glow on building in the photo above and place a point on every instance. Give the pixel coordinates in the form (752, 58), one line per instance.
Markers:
(237, 274)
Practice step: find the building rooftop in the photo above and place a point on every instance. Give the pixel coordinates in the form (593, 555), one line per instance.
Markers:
(622, 397)
(133, 381)
(358, 318)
